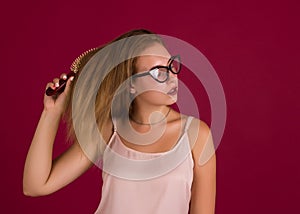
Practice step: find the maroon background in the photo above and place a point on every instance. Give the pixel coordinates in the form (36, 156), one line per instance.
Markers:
(253, 45)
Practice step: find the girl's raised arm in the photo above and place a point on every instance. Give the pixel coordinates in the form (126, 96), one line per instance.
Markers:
(42, 175)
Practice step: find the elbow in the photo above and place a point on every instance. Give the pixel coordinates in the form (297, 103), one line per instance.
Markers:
(32, 189)
(29, 193)
(33, 192)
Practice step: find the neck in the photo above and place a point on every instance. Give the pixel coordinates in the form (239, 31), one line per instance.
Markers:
(150, 116)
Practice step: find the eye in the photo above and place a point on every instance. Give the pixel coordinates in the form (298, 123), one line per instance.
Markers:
(162, 72)
(155, 73)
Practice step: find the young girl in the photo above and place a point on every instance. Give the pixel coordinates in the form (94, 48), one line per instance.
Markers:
(149, 151)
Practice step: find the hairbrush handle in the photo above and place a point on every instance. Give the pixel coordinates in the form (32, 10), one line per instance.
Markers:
(61, 87)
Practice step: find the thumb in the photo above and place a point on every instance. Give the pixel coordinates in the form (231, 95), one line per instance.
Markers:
(68, 85)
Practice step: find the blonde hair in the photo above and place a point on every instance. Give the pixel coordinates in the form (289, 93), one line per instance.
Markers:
(127, 49)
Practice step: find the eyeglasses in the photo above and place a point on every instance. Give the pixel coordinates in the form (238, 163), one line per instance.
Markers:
(160, 73)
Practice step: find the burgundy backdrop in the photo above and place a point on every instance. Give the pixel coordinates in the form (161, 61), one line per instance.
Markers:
(253, 45)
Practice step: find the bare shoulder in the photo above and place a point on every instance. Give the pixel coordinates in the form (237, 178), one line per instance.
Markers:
(201, 141)
(204, 171)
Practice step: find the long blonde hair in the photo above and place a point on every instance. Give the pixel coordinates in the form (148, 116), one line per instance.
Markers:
(127, 49)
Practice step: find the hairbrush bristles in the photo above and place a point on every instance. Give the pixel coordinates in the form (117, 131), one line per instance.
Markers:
(79, 61)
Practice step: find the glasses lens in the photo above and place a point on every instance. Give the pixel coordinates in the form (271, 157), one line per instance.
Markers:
(175, 65)
(160, 74)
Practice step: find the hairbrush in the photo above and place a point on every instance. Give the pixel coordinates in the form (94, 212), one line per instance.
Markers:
(75, 67)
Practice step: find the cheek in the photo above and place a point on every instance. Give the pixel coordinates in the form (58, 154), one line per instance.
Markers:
(150, 85)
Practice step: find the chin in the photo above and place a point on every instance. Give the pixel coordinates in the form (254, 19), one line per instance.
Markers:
(171, 100)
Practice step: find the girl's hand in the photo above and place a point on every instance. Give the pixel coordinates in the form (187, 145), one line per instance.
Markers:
(57, 103)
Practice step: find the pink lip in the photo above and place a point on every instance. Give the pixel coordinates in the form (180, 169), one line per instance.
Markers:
(173, 91)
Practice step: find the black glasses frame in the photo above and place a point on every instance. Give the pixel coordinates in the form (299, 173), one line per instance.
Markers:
(168, 67)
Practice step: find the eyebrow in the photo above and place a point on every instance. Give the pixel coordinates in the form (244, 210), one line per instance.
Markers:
(158, 66)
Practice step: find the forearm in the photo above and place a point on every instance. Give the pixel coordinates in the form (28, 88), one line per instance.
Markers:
(39, 158)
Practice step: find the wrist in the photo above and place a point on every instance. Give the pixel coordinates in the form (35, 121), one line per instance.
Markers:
(52, 114)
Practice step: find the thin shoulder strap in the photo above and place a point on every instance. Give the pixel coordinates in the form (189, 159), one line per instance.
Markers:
(188, 123)
(114, 122)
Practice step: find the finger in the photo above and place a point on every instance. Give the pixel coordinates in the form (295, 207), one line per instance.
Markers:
(63, 76)
(51, 85)
(56, 82)
(68, 85)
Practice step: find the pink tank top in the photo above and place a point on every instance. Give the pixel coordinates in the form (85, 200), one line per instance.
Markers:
(146, 183)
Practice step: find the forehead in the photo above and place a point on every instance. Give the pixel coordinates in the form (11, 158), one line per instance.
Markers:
(154, 55)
